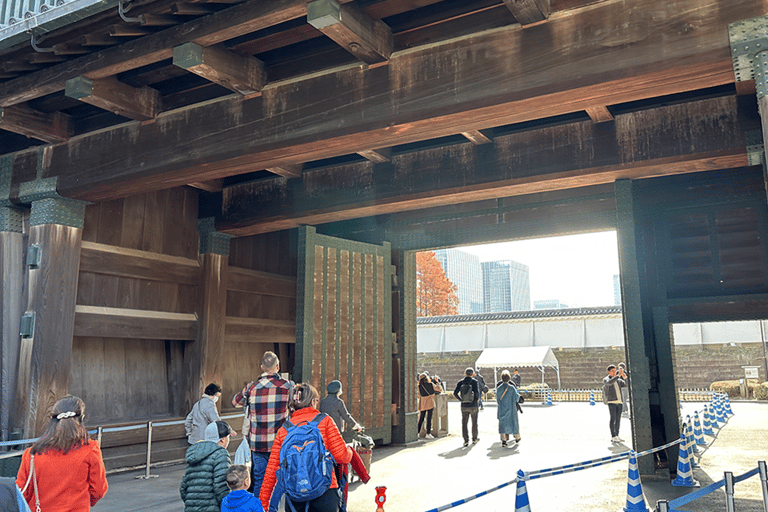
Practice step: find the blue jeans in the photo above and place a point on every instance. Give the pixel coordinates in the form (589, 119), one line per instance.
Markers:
(259, 468)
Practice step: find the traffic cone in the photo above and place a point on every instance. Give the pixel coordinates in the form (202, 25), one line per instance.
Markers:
(591, 398)
(697, 433)
(684, 476)
(691, 445)
(549, 397)
(719, 410)
(521, 499)
(712, 418)
(707, 425)
(635, 498)
(728, 410)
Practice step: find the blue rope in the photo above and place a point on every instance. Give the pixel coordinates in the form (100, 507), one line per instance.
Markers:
(710, 488)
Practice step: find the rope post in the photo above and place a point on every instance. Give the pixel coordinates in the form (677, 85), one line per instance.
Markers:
(730, 505)
(146, 474)
(99, 432)
(662, 506)
(763, 483)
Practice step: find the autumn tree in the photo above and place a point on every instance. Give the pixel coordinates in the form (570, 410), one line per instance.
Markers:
(435, 293)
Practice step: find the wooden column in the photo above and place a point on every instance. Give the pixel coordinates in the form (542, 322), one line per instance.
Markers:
(203, 358)
(56, 226)
(404, 309)
(11, 303)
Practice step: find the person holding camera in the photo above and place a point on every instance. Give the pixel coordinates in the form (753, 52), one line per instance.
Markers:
(612, 384)
(428, 387)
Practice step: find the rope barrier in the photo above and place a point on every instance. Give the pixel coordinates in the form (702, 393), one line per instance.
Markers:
(684, 500)
(478, 495)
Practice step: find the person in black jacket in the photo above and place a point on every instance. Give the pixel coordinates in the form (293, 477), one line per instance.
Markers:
(612, 384)
(468, 393)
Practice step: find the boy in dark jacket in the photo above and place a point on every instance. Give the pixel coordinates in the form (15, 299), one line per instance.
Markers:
(204, 485)
(240, 500)
(468, 404)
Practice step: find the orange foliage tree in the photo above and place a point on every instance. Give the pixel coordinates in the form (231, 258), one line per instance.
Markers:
(435, 293)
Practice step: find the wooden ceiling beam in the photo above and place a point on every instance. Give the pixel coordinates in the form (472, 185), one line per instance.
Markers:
(377, 156)
(287, 171)
(213, 29)
(367, 39)
(528, 11)
(599, 114)
(114, 96)
(546, 159)
(477, 137)
(49, 127)
(244, 75)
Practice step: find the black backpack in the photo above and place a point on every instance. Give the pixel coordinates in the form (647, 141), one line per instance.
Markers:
(466, 393)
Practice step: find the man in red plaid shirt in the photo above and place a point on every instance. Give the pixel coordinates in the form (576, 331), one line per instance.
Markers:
(267, 400)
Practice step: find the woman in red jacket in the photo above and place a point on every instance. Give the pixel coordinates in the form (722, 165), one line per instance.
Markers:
(303, 407)
(63, 471)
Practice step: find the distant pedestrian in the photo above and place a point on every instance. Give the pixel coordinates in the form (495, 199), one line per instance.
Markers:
(267, 400)
(203, 413)
(427, 389)
(612, 384)
(64, 469)
(516, 379)
(625, 392)
(239, 499)
(204, 484)
(468, 393)
(334, 406)
(506, 399)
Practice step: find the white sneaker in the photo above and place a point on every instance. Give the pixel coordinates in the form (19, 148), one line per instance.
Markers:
(619, 440)
(430, 436)
(615, 439)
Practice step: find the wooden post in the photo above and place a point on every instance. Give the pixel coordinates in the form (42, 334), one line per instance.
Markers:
(11, 300)
(56, 225)
(203, 358)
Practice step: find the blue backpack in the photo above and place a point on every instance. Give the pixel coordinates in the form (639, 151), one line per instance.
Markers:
(306, 466)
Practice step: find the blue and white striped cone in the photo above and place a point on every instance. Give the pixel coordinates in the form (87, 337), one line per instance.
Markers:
(728, 410)
(707, 425)
(521, 499)
(697, 433)
(549, 397)
(719, 410)
(635, 498)
(684, 476)
(712, 418)
(690, 443)
(591, 398)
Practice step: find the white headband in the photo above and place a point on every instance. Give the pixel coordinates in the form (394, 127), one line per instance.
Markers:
(67, 414)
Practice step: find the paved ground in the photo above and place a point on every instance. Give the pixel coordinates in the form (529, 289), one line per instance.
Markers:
(428, 474)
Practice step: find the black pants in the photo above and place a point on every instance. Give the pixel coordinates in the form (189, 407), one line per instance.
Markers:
(421, 421)
(329, 501)
(615, 410)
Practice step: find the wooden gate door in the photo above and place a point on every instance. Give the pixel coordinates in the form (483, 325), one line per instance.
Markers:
(344, 324)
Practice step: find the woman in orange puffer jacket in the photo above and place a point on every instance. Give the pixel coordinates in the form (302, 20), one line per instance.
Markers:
(303, 409)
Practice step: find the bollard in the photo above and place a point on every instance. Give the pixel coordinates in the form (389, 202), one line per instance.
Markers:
(730, 504)
(381, 498)
(763, 482)
(99, 432)
(662, 506)
(146, 474)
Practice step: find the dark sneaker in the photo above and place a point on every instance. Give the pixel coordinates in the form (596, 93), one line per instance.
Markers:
(466, 443)
(503, 443)
(474, 441)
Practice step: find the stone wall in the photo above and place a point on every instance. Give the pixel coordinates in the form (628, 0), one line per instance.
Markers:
(695, 367)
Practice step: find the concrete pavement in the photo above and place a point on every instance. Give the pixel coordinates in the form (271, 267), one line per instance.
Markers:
(427, 474)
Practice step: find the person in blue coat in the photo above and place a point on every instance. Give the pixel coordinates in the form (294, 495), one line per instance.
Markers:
(507, 398)
(239, 499)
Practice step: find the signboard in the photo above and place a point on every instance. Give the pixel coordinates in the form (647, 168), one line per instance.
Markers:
(750, 372)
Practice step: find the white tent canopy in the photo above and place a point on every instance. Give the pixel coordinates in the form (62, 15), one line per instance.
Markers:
(539, 357)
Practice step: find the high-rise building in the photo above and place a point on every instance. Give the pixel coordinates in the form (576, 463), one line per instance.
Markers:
(463, 270)
(616, 290)
(549, 304)
(506, 286)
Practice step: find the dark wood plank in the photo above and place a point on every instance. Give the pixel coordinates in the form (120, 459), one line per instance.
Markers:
(117, 261)
(599, 114)
(259, 330)
(528, 11)
(133, 222)
(114, 96)
(106, 322)
(154, 224)
(377, 156)
(477, 137)
(368, 39)
(51, 127)
(244, 75)
(110, 222)
(264, 283)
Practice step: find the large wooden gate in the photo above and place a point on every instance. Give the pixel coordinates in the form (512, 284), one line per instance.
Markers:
(344, 324)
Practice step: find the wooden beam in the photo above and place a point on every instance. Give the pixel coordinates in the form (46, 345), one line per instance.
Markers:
(547, 159)
(593, 72)
(102, 322)
(208, 186)
(287, 171)
(49, 127)
(128, 31)
(119, 261)
(261, 283)
(244, 75)
(189, 9)
(259, 330)
(377, 156)
(224, 25)
(112, 95)
(528, 11)
(158, 20)
(367, 39)
(599, 114)
(477, 137)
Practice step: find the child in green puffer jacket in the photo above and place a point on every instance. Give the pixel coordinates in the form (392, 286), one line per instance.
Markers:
(204, 485)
